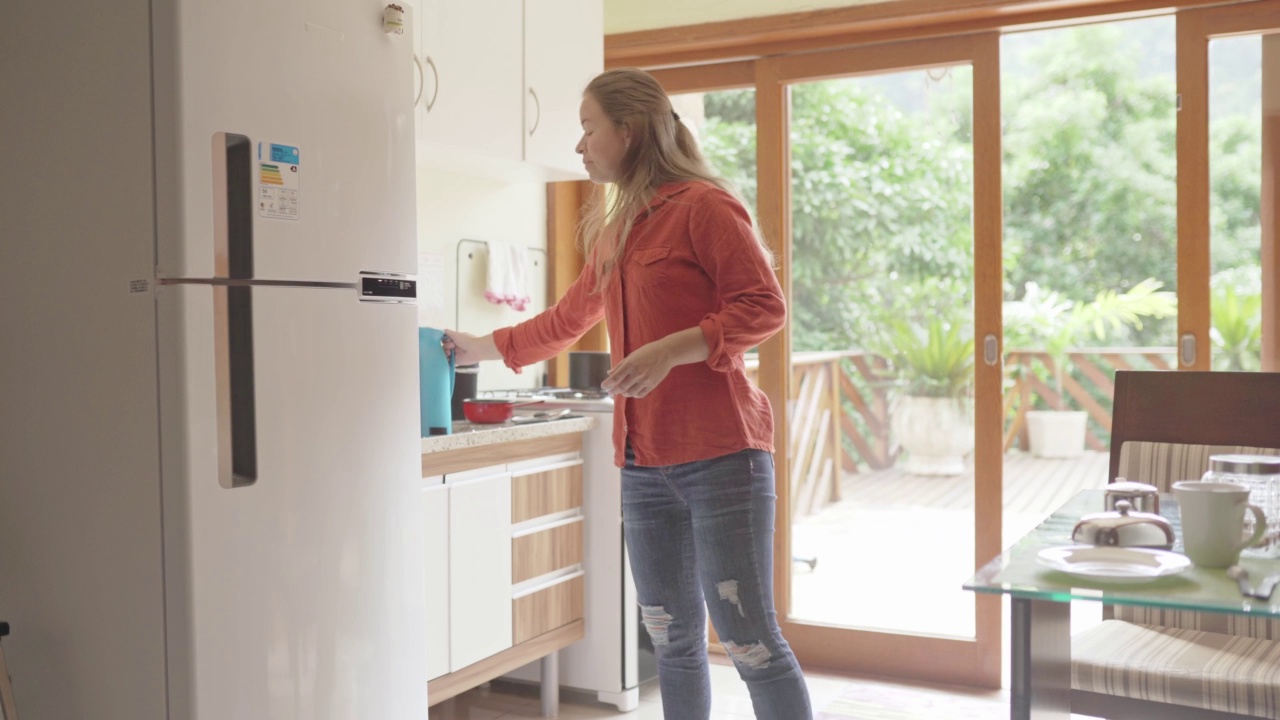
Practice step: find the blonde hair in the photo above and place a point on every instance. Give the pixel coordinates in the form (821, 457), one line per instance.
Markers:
(662, 151)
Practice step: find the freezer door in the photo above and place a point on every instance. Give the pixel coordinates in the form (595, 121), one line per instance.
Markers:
(299, 591)
(287, 125)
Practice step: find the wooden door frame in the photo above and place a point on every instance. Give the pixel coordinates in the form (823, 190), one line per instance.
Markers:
(970, 662)
(1195, 29)
(861, 24)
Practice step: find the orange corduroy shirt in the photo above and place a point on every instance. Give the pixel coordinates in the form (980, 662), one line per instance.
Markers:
(690, 260)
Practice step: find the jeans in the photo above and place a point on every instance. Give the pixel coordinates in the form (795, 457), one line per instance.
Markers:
(704, 530)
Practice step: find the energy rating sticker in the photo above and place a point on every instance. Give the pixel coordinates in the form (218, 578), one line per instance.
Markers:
(278, 181)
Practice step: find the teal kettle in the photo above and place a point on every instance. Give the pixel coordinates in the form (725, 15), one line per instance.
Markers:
(435, 383)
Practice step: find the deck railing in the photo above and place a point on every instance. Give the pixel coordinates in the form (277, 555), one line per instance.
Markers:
(1089, 385)
(840, 408)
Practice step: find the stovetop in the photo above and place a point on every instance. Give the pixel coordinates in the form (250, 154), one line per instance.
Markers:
(547, 393)
(551, 398)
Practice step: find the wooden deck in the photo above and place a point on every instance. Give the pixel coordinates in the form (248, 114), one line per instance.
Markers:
(889, 525)
(1031, 485)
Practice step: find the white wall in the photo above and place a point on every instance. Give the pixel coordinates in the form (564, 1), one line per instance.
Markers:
(630, 15)
(453, 206)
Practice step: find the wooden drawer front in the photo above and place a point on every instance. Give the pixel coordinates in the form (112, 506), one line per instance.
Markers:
(546, 492)
(546, 551)
(547, 609)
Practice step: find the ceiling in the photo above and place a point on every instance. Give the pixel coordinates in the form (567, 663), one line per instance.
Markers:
(622, 16)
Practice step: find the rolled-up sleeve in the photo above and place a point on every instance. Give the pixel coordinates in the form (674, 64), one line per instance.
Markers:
(553, 330)
(752, 306)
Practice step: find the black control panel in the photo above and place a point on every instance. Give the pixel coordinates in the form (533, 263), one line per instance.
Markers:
(386, 288)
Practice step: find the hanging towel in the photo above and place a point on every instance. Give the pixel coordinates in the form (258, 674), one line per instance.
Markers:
(508, 282)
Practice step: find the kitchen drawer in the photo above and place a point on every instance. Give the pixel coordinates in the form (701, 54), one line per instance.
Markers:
(479, 472)
(538, 464)
(546, 492)
(545, 551)
(542, 610)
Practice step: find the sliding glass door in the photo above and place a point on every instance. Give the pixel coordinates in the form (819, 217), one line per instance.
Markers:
(1228, 141)
(887, 194)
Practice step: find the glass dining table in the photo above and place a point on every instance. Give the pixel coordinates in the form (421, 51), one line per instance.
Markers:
(1040, 602)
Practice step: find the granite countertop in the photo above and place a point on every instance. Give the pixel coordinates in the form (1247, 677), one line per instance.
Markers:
(468, 435)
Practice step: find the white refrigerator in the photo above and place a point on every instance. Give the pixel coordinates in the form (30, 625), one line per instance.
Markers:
(209, 469)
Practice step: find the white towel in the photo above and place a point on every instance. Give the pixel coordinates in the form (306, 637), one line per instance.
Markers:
(508, 282)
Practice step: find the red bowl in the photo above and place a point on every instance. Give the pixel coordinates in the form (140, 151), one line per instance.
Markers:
(489, 410)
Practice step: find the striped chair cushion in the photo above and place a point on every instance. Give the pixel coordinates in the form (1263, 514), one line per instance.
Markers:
(1163, 464)
(1178, 666)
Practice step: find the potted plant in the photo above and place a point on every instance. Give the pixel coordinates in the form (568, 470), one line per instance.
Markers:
(932, 417)
(1044, 319)
(1237, 319)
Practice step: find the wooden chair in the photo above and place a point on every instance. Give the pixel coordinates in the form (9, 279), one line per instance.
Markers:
(1146, 662)
(7, 709)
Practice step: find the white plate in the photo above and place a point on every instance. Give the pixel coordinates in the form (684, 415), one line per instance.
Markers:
(1112, 564)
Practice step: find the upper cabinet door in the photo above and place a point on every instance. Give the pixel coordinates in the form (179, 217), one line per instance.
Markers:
(564, 50)
(471, 60)
(288, 136)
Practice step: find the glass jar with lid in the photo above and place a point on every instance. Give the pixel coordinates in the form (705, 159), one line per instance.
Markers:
(1261, 474)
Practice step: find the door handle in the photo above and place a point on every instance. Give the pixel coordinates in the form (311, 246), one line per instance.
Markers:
(990, 349)
(237, 440)
(1187, 349)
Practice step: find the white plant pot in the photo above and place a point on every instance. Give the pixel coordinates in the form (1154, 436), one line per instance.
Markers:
(1056, 433)
(936, 434)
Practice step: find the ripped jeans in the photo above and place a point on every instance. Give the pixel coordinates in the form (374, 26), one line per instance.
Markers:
(705, 530)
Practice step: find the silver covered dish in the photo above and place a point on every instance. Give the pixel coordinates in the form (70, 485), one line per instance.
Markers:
(1124, 527)
(1141, 496)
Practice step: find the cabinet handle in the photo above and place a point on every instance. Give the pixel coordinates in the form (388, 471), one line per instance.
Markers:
(435, 76)
(537, 117)
(422, 80)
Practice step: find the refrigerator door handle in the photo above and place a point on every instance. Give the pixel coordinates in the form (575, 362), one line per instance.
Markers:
(237, 419)
(232, 206)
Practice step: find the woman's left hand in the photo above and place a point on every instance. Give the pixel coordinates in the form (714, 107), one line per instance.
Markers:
(640, 372)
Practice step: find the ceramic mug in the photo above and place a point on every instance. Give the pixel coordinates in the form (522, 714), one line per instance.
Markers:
(1213, 522)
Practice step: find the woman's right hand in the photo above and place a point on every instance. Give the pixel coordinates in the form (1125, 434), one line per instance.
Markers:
(470, 349)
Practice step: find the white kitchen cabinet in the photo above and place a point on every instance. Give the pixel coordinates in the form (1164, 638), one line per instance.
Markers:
(513, 530)
(563, 50)
(479, 569)
(435, 508)
(472, 61)
(501, 84)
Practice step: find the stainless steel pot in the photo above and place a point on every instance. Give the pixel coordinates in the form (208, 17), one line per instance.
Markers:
(587, 369)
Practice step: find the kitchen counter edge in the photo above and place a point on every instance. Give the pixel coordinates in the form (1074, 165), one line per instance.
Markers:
(505, 433)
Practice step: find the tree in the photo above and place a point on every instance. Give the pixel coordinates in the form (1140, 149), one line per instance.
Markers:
(881, 208)
(1090, 169)
(881, 200)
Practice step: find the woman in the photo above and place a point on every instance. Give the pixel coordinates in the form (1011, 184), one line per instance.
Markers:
(686, 287)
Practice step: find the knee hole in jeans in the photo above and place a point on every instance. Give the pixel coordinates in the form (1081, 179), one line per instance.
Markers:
(658, 622)
(755, 656)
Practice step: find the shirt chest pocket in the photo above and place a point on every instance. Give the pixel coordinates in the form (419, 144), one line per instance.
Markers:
(649, 267)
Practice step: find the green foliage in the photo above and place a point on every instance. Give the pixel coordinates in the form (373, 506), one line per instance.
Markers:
(881, 198)
(937, 362)
(1090, 167)
(1237, 320)
(1047, 320)
(881, 214)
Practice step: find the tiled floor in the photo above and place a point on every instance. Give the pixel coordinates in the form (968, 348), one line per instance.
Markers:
(834, 698)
